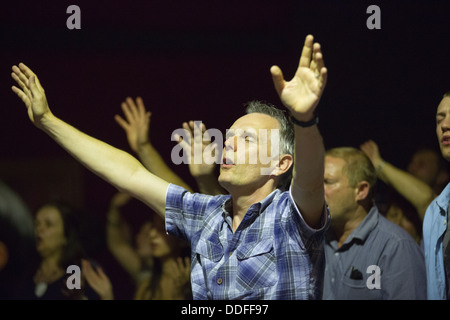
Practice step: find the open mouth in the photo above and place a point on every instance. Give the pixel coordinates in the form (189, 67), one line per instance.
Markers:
(227, 162)
(446, 140)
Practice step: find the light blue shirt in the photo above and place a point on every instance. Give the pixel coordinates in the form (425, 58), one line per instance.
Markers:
(434, 227)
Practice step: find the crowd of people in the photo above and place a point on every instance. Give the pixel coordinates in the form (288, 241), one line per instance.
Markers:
(309, 224)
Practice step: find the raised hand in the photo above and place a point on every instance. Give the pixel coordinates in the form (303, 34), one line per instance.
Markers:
(137, 123)
(302, 93)
(370, 148)
(31, 93)
(180, 270)
(120, 199)
(199, 143)
(98, 280)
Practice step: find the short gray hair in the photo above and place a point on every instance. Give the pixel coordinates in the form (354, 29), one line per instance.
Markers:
(286, 133)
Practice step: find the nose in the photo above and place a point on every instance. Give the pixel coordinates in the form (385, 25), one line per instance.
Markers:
(152, 233)
(38, 228)
(445, 125)
(230, 144)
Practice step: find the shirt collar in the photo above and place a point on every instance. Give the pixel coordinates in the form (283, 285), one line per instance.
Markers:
(443, 199)
(258, 207)
(361, 232)
(366, 226)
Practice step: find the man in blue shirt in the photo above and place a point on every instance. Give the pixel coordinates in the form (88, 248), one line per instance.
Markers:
(367, 256)
(436, 235)
(258, 243)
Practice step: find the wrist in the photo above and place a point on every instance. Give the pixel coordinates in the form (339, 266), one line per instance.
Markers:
(379, 167)
(142, 145)
(305, 122)
(45, 121)
(113, 217)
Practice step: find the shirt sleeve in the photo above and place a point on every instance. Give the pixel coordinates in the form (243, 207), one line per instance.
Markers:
(406, 278)
(185, 212)
(306, 232)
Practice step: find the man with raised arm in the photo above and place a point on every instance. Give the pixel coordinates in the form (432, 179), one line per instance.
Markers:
(257, 242)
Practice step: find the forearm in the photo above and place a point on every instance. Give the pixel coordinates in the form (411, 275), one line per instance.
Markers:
(119, 242)
(124, 254)
(111, 164)
(154, 163)
(307, 185)
(115, 166)
(417, 192)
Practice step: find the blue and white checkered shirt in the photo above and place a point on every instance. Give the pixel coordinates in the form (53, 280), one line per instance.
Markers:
(273, 254)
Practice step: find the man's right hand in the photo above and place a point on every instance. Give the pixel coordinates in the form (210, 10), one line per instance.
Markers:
(31, 93)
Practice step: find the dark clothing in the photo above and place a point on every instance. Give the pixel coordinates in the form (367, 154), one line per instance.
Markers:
(376, 248)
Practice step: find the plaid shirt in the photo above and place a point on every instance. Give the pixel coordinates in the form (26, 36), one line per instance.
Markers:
(273, 254)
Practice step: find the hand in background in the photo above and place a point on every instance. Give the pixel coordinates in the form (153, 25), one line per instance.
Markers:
(137, 123)
(370, 148)
(98, 280)
(180, 271)
(198, 142)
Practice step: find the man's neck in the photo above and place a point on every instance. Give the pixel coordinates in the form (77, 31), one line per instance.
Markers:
(343, 232)
(242, 201)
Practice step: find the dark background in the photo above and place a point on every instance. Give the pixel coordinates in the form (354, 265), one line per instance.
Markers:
(201, 60)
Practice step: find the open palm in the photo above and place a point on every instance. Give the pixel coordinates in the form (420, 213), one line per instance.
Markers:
(302, 93)
(30, 92)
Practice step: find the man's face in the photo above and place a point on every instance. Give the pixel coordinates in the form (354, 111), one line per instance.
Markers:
(339, 195)
(248, 138)
(443, 127)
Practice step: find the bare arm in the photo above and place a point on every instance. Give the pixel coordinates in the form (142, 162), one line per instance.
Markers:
(301, 96)
(417, 192)
(115, 166)
(118, 237)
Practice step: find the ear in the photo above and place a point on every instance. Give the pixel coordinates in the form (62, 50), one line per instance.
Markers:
(4, 255)
(362, 190)
(286, 161)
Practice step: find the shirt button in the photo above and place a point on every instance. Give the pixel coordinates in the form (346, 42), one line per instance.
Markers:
(231, 253)
(219, 281)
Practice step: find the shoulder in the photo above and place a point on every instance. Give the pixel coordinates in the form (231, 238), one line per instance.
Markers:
(397, 241)
(392, 231)
(180, 197)
(438, 204)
